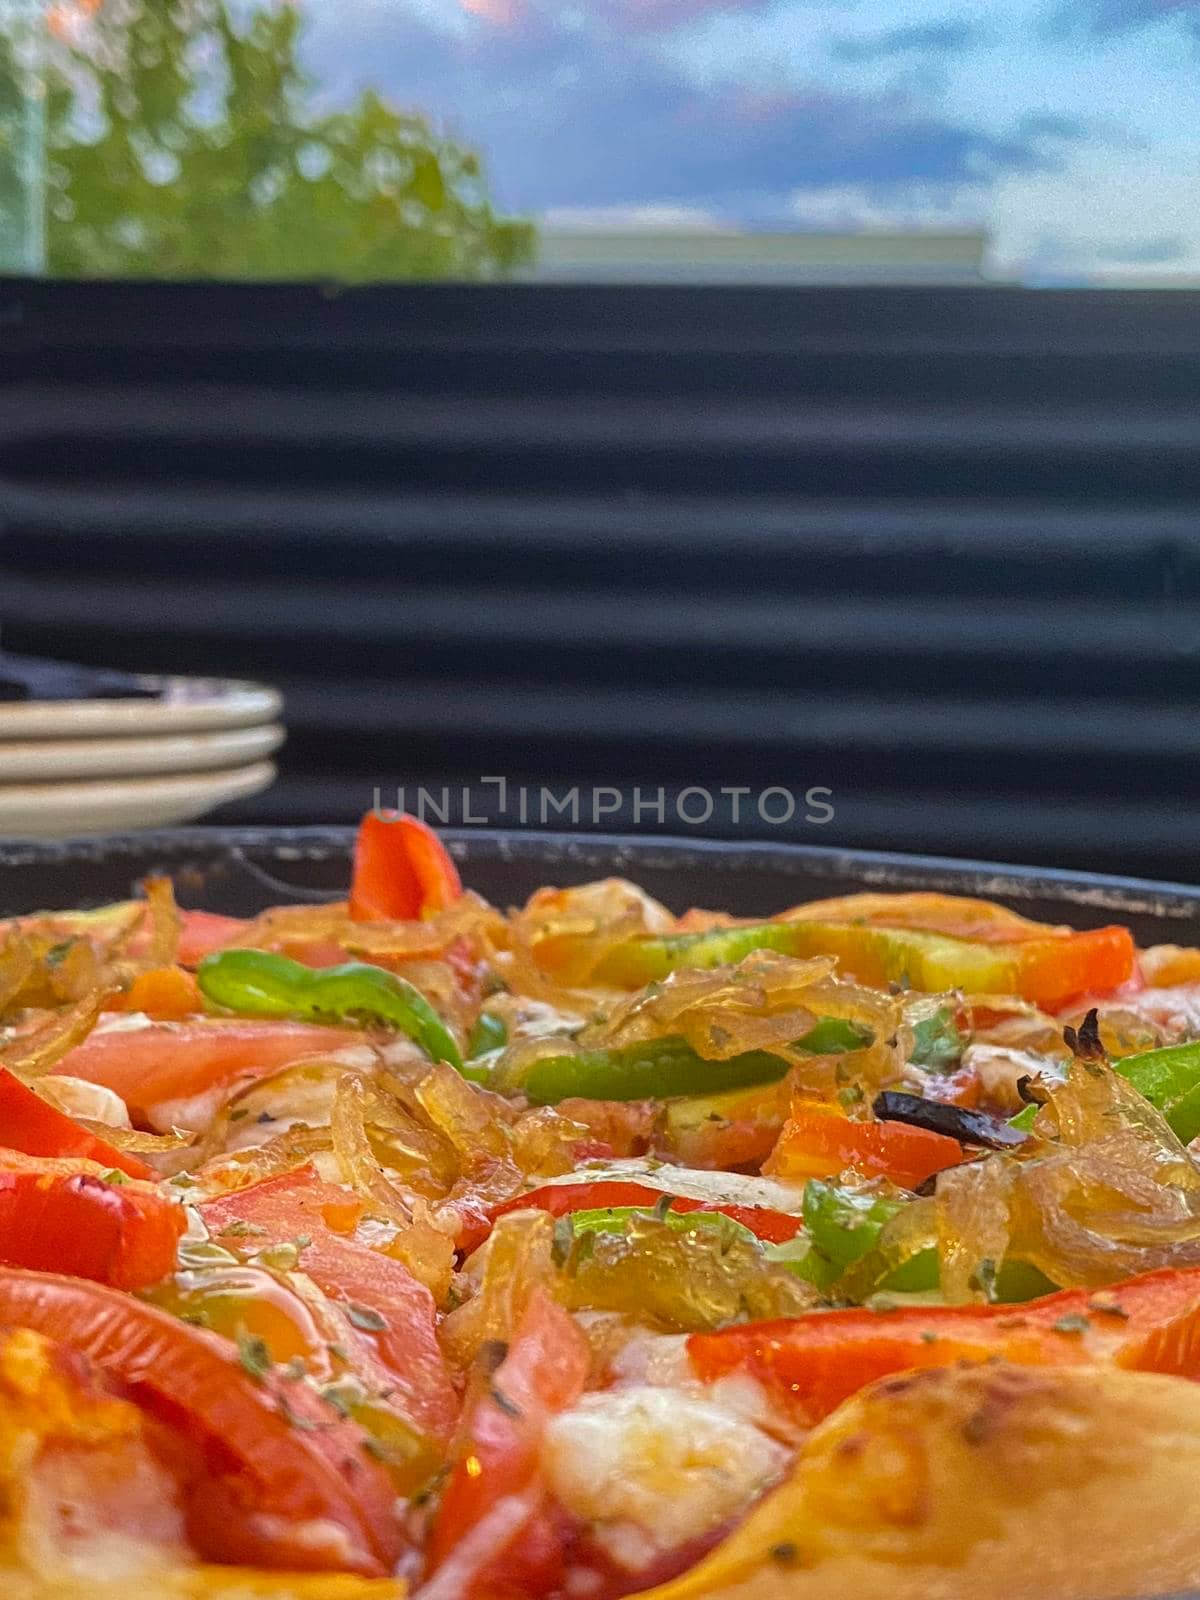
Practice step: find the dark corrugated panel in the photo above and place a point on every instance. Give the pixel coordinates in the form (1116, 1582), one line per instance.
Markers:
(938, 550)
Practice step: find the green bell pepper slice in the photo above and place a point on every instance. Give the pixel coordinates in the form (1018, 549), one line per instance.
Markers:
(920, 959)
(256, 983)
(937, 1042)
(662, 1069)
(656, 1069)
(842, 1227)
(616, 1219)
(488, 1034)
(1023, 1121)
(836, 1036)
(1170, 1079)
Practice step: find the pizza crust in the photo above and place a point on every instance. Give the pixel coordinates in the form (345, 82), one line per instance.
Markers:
(991, 1482)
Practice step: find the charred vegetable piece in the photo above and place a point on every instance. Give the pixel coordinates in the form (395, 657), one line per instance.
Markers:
(1049, 971)
(955, 1122)
(1170, 1080)
(255, 983)
(656, 1068)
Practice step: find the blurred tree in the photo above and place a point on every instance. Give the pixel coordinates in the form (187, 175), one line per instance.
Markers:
(20, 138)
(183, 142)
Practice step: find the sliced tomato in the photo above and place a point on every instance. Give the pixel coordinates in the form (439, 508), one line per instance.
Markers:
(202, 932)
(62, 1215)
(300, 1204)
(1150, 1323)
(818, 1140)
(401, 870)
(543, 1373)
(29, 1124)
(615, 1127)
(168, 1061)
(560, 1199)
(279, 1480)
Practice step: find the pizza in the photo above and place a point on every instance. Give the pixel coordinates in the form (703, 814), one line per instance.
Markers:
(408, 1245)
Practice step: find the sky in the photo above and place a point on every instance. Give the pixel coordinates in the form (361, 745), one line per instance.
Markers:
(1069, 129)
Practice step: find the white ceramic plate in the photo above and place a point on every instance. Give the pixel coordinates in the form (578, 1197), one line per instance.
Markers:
(68, 810)
(186, 705)
(47, 760)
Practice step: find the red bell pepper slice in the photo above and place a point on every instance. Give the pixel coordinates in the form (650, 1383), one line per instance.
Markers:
(818, 1141)
(1150, 1323)
(543, 1373)
(401, 870)
(275, 1478)
(560, 1199)
(29, 1124)
(300, 1204)
(62, 1215)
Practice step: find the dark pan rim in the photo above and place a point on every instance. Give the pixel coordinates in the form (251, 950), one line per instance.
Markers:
(607, 852)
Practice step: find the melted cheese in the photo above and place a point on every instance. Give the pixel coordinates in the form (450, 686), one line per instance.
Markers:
(653, 1467)
(693, 1183)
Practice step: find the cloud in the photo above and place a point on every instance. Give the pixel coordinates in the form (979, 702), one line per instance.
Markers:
(949, 37)
(655, 15)
(572, 110)
(848, 207)
(586, 121)
(1102, 216)
(1123, 16)
(500, 13)
(691, 219)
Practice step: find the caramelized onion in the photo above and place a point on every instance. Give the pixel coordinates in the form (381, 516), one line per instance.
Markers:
(561, 936)
(17, 965)
(1115, 1195)
(31, 1054)
(424, 1248)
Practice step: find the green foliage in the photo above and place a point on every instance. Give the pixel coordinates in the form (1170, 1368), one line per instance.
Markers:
(20, 142)
(184, 143)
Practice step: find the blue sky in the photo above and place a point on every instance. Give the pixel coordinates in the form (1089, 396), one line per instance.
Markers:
(1070, 129)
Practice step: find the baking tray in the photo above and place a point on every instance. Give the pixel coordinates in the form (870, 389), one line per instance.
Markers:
(241, 870)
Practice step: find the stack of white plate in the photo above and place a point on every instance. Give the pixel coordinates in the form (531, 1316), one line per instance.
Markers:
(72, 767)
